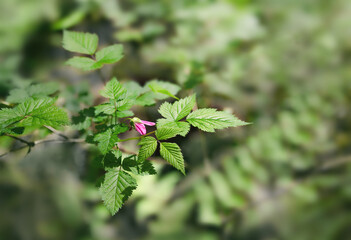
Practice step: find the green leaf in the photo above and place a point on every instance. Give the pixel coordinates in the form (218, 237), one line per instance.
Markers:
(172, 89)
(164, 133)
(124, 114)
(51, 116)
(146, 99)
(138, 167)
(158, 89)
(112, 159)
(106, 108)
(183, 127)
(110, 54)
(33, 112)
(113, 90)
(179, 109)
(172, 154)
(19, 95)
(116, 189)
(148, 147)
(166, 110)
(106, 140)
(209, 119)
(84, 63)
(79, 42)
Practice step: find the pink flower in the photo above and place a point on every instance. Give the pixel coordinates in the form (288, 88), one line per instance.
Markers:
(140, 125)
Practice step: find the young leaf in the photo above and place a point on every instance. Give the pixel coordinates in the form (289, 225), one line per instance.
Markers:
(106, 140)
(179, 109)
(113, 90)
(209, 119)
(84, 63)
(183, 127)
(138, 167)
(116, 189)
(148, 147)
(172, 154)
(110, 54)
(79, 42)
(166, 110)
(164, 133)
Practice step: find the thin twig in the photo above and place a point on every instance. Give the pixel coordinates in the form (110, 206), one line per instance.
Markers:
(78, 140)
(53, 130)
(136, 138)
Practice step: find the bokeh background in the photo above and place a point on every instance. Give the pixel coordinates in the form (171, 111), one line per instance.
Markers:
(283, 65)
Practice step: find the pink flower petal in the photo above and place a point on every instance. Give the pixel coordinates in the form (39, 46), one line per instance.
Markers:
(140, 128)
(148, 123)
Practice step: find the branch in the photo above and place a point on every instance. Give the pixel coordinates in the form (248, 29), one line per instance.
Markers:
(32, 144)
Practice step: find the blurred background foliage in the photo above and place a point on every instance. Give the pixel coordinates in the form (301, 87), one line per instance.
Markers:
(282, 65)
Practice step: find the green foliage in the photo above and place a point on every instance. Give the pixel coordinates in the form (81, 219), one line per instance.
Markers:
(34, 113)
(78, 42)
(116, 189)
(137, 166)
(163, 89)
(147, 149)
(183, 127)
(164, 133)
(84, 63)
(106, 140)
(19, 95)
(172, 154)
(113, 90)
(110, 54)
(179, 109)
(209, 119)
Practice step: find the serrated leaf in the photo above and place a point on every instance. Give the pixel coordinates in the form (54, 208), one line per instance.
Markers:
(178, 109)
(183, 107)
(79, 42)
(110, 54)
(84, 63)
(209, 119)
(166, 110)
(33, 112)
(148, 147)
(113, 90)
(164, 133)
(116, 189)
(106, 140)
(172, 154)
(112, 159)
(138, 167)
(183, 127)
(106, 108)
(51, 116)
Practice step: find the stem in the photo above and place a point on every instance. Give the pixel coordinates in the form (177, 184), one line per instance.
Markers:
(30, 144)
(136, 138)
(53, 130)
(99, 70)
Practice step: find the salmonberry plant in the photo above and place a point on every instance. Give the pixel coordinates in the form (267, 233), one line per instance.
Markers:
(33, 107)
